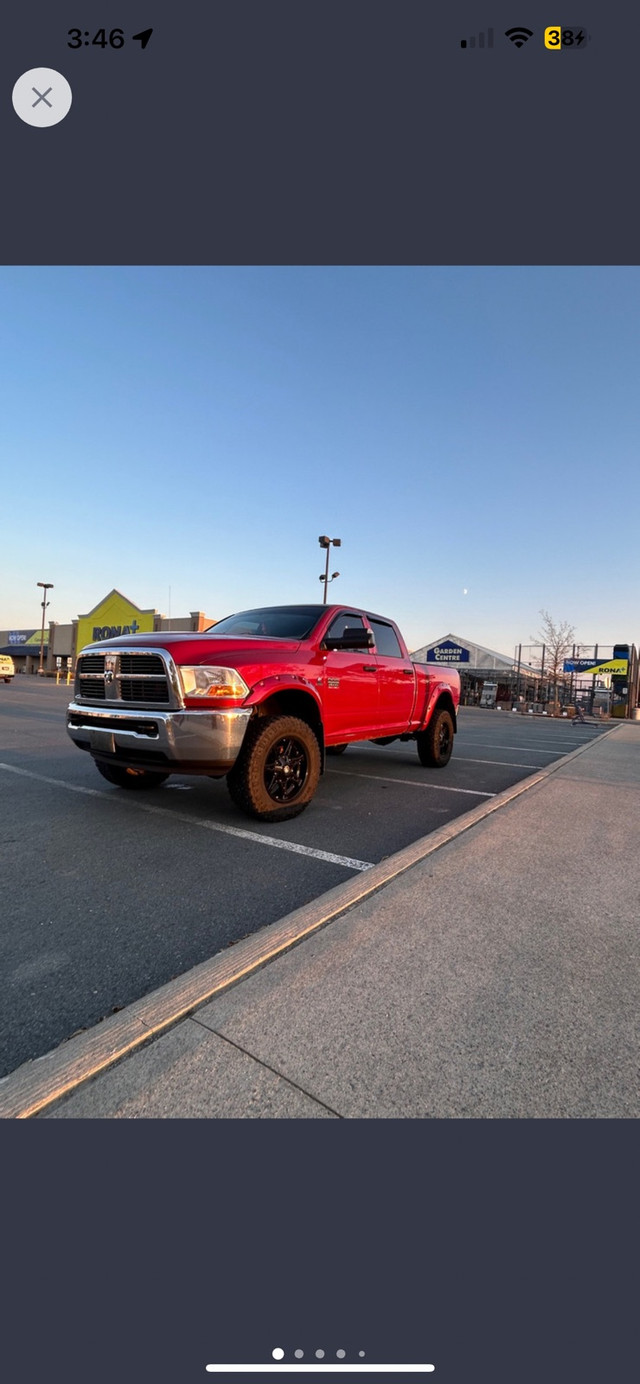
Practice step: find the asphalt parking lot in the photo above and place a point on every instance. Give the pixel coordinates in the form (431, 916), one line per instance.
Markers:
(108, 895)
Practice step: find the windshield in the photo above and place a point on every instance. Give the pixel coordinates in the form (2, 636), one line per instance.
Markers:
(271, 622)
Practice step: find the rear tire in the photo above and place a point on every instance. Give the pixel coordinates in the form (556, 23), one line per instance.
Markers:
(277, 771)
(435, 744)
(336, 749)
(130, 778)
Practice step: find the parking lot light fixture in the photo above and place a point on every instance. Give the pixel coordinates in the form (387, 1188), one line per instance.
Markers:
(48, 586)
(327, 543)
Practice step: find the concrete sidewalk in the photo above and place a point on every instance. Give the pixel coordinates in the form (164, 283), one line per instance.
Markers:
(498, 977)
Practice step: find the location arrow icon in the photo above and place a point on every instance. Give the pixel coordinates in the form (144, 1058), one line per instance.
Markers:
(143, 38)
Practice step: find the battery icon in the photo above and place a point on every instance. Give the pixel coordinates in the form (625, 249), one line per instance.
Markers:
(559, 38)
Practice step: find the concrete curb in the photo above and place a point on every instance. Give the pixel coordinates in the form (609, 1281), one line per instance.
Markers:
(44, 1080)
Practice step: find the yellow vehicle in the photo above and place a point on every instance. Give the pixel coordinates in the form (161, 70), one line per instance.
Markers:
(7, 668)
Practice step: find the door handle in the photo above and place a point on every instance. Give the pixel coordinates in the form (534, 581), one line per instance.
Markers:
(408, 672)
(369, 667)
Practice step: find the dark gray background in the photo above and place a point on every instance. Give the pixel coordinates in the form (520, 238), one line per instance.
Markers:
(348, 131)
(504, 1252)
(293, 131)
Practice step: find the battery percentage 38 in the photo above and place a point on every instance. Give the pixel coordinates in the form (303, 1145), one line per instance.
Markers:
(555, 37)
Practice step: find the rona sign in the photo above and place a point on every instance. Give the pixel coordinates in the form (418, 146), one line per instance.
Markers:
(112, 631)
(619, 667)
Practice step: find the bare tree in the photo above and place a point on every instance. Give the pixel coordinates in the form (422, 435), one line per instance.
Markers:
(558, 640)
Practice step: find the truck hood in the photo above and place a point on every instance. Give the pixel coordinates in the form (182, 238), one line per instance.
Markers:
(200, 647)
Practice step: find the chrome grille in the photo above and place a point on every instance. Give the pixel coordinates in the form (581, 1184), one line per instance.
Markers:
(93, 687)
(149, 664)
(144, 690)
(123, 678)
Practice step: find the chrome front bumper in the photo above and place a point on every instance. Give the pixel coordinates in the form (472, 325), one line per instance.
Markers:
(200, 742)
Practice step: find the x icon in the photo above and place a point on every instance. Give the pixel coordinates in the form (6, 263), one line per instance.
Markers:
(42, 96)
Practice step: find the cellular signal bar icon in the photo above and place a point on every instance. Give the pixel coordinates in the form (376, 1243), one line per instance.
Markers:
(478, 40)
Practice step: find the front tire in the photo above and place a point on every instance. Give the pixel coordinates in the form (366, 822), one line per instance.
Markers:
(130, 778)
(435, 744)
(277, 771)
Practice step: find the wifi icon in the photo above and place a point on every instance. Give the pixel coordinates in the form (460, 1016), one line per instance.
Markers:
(518, 36)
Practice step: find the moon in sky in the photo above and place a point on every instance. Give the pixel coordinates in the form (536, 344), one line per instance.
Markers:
(464, 591)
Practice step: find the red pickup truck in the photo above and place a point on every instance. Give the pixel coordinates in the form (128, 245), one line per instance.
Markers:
(260, 697)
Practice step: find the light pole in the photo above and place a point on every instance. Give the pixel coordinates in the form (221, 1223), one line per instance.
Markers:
(326, 542)
(48, 585)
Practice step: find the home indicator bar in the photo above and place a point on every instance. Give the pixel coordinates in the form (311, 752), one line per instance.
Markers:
(320, 1369)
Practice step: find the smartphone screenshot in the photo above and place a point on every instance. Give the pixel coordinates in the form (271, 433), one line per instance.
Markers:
(319, 691)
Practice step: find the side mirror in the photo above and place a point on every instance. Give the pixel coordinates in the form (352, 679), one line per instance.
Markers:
(356, 638)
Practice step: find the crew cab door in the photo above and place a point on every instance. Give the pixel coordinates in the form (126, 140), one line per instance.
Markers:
(349, 685)
(396, 679)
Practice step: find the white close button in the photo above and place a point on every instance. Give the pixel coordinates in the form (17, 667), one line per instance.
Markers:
(41, 97)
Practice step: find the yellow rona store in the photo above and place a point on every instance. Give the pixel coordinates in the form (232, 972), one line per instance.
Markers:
(116, 615)
(113, 616)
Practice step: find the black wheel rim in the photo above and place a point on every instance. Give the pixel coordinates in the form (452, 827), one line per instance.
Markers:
(286, 769)
(444, 739)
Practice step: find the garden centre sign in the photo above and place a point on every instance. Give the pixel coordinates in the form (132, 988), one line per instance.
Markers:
(448, 652)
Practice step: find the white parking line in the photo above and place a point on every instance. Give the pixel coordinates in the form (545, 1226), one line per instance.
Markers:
(500, 763)
(531, 749)
(412, 783)
(274, 841)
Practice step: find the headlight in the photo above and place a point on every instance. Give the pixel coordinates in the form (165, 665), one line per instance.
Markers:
(212, 682)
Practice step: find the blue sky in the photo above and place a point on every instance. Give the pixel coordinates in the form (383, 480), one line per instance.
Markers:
(471, 434)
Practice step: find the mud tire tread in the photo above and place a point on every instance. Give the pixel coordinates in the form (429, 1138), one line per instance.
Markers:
(245, 781)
